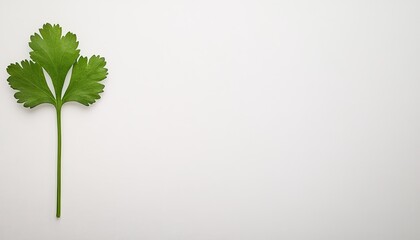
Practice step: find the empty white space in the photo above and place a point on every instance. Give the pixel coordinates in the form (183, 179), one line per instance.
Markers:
(221, 120)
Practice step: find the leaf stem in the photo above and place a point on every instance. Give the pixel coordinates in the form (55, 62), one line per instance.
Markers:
(58, 211)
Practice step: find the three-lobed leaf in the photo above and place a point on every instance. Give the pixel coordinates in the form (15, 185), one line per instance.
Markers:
(56, 54)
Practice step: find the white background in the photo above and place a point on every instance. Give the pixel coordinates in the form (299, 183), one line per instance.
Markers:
(221, 120)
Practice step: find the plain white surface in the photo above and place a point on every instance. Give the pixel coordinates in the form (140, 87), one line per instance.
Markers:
(221, 120)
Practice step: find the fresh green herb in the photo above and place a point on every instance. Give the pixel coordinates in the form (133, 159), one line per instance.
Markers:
(57, 54)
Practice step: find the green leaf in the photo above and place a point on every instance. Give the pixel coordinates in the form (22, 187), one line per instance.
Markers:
(28, 78)
(85, 86)
(55, 53)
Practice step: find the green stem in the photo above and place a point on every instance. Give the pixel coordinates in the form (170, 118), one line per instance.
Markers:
(58, 212)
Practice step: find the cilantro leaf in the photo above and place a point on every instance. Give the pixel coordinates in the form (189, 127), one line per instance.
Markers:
(84, 86)
(56, 54)
(28, 78)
